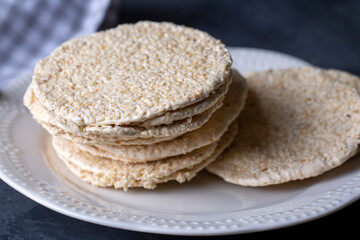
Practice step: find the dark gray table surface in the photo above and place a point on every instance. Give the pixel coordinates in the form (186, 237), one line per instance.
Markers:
(324, 33)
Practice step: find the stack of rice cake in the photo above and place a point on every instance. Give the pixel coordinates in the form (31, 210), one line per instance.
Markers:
(139, 104)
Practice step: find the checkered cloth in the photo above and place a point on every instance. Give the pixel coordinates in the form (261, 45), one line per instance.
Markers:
(30, 30)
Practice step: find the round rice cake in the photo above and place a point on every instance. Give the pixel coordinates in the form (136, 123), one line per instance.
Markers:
(115, 133)
(104, 172)
(110, 133)
(210, 132)
(129, 74)
(297, 123)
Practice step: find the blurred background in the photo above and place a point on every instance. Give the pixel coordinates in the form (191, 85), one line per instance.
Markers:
(325, 33)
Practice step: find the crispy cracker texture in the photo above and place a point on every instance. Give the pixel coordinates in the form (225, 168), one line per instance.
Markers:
(129, 74)
(176, 122)
(210, 132)
(104, 172)
(297, 123)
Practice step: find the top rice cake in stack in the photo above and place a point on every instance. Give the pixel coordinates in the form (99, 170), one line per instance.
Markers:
(135, 88)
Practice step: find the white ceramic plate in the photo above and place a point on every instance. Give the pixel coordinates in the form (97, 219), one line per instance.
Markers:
(203, 206)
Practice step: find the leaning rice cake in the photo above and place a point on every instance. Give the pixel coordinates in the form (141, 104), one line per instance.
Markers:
(296, 123)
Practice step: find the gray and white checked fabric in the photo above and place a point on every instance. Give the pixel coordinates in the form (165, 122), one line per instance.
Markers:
(31, 29)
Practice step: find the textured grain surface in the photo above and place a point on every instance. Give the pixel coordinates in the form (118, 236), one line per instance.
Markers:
(188, 111)
(210, 132)
(344, 77)
(213, 100)
(131, 73)
(297, 123)
(104, 172)
(41, 116)
(110, 133)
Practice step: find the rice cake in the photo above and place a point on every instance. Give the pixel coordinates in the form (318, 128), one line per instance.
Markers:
(129, 74)
(103, 172)
(210, 132)
(110, 134)
(296, 123)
